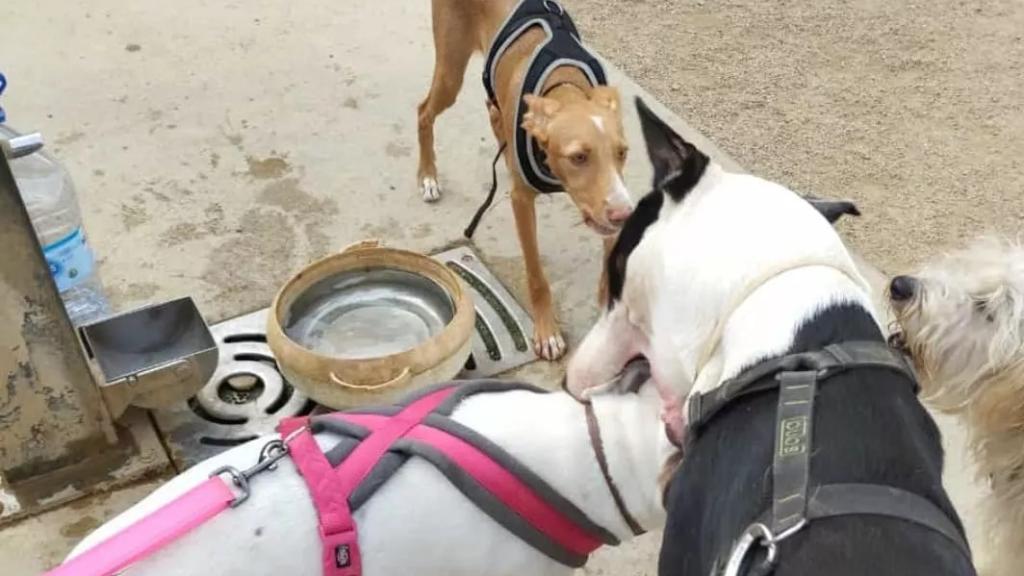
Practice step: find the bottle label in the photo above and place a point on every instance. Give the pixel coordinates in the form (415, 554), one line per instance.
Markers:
(70, 260)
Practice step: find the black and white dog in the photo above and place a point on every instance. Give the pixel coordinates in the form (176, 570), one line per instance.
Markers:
(716, 273)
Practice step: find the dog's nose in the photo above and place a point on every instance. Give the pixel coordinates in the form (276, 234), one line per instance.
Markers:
(617, 216)
(902, 288)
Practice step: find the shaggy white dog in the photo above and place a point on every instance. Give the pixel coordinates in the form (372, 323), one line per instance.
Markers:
(962, 320)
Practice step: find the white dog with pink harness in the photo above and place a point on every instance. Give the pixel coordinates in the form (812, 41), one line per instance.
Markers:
(507, 481)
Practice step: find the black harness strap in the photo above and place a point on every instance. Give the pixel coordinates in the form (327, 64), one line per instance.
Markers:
(561, 48)
(826, 362)
(793, 504)
(855, 499)
(791, 465)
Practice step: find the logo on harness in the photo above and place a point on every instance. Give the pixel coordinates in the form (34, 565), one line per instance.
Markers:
(342, 557)
(793, 436)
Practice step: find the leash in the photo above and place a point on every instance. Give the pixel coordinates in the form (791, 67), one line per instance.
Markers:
(173, 520)
(594, 431)
(471, 229)
(794, 505)
(342, 479)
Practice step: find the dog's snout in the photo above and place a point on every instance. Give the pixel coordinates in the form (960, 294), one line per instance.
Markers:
(617, 215)
(902, 288)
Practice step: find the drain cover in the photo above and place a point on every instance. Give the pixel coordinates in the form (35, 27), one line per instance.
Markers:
(247, 396)
(504, 330)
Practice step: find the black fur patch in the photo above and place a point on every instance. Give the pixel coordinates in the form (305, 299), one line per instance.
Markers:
(632, 233)
(678, 165)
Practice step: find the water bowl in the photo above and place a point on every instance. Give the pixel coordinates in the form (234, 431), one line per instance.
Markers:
(369, 324)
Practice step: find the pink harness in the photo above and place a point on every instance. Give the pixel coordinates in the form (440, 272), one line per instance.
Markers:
(331, 487)
(546, 515)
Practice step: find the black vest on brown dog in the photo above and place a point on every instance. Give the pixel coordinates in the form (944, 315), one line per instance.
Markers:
(562, 48)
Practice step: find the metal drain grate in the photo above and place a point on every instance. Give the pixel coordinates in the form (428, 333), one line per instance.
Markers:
(503, 329)
(247, 396)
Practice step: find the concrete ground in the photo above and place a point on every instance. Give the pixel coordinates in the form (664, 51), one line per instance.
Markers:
(912, 109)
(220, 147)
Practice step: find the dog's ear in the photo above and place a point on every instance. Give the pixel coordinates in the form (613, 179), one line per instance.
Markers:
(607, 97)
(678, 165)
(539, 111)
(833, 210)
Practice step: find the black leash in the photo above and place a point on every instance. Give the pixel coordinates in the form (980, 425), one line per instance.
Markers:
(468, 233)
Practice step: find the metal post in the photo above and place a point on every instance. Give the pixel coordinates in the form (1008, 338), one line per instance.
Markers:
(52, 416)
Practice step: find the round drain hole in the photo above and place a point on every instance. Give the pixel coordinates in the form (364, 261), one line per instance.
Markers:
(240, 388)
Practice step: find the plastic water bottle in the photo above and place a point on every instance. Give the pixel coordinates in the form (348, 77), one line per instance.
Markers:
(52, 204)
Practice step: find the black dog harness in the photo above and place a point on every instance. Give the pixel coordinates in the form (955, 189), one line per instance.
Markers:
(794, 504)
(562, 48)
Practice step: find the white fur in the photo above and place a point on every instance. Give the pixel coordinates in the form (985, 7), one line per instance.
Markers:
(430, 190)
(618, 197)
(734, 236)
(599, 122)
(418, 523)
(964, 328)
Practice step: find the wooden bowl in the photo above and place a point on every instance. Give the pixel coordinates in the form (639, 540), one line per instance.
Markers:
(370, 324)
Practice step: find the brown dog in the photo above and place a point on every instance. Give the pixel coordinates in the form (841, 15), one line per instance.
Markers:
(577, 126)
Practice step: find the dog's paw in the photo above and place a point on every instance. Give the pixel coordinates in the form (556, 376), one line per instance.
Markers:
(430, 189)
(548, 345)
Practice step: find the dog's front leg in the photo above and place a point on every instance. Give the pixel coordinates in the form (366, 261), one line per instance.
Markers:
(547, 340)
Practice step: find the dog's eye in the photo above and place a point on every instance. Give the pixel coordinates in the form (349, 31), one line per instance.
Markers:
(579, 158)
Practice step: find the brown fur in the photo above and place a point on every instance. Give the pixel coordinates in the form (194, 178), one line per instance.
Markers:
(586, 157)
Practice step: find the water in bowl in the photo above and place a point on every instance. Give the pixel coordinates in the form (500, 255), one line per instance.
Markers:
(361, 314)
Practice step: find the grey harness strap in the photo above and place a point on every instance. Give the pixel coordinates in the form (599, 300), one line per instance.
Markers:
(794, 504)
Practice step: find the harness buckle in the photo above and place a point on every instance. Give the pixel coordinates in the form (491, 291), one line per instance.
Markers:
(759, 533)
(756, 533)
(271, 453)
(240, 482)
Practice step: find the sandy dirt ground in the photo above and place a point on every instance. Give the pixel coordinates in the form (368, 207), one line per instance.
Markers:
(915, 110)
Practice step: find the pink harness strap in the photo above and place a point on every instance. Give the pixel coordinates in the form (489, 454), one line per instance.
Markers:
(504, 485)
(152, 532)
(330, 488)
